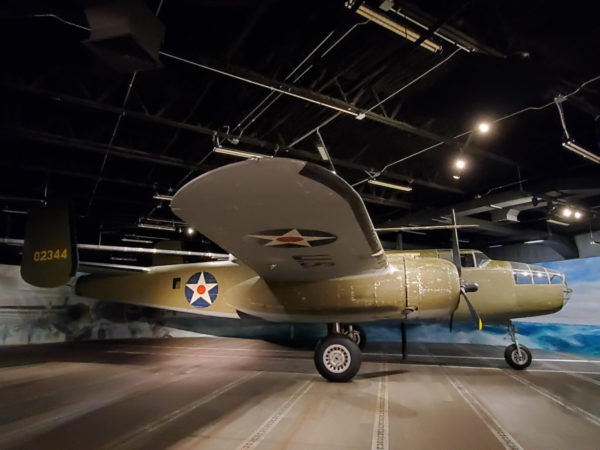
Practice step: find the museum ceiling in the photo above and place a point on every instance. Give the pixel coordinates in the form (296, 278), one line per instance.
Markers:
(289, 78)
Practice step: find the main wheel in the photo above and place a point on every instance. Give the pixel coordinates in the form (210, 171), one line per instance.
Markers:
(337, 358)
(516, 360)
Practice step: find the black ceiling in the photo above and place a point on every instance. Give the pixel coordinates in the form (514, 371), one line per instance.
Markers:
(73, 126)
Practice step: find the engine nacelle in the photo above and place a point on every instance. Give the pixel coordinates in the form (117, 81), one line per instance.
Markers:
(432, 287)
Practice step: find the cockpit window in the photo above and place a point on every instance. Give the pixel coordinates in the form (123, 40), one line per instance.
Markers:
(481, 259)
(522, 277)
(556, 278)
(521, 273)
(540, 276)
(467, 260)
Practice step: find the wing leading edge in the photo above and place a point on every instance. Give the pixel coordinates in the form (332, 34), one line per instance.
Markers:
(288, 220)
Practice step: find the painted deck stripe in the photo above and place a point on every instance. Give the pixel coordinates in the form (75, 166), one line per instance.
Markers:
(403, 364)
(299, 352)
(264, 429)
(126, 440)
(503, 436)
(380, 439)
(588, 379)
(571, 407)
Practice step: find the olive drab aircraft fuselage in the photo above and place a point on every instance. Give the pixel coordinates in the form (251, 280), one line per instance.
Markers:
(305, 250)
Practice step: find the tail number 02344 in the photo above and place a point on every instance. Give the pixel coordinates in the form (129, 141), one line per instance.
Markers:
(49, 255)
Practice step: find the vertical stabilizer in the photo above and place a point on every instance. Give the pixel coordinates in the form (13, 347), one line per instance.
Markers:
(50, 250)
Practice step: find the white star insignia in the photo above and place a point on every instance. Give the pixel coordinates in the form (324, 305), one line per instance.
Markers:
(292, 237)
(205, 295)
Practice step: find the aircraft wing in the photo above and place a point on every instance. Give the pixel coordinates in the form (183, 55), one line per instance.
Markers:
(288, 220)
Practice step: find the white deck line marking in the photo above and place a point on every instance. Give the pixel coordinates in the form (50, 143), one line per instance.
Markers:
(403, 364)
(126, 440)
(276, 350)
(296, 352)
(486, 416)
(574, 409)
(592, 361)
(581, 377)
(264, 429)
(380, 440)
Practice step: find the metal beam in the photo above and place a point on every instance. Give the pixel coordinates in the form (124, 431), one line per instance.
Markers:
(69, 173)
(368, 198)
(123, 152)
(312, 156)
(306, 95)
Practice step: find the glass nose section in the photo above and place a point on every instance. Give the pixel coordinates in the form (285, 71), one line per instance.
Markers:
(560, 278)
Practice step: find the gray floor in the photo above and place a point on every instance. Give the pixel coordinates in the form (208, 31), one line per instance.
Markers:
(218, 393)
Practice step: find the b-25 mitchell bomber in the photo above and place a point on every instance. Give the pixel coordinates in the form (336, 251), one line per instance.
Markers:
(305, 250)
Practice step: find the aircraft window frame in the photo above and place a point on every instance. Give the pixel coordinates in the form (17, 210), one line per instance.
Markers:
(556, 276)
(484, 259)
(523, 277)
(464, 257)
(537, 278)
(522, 274)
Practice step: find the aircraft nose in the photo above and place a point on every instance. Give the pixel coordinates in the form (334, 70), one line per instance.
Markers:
(566, 290)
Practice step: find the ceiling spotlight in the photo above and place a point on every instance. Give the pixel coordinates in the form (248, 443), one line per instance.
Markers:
(390, 185)
(567, 212)
(578, 214)
(460, 164)
(456, 177)
(483, 127)
(190, 231)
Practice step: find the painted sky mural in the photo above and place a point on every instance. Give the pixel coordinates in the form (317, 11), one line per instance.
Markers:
(29, 315)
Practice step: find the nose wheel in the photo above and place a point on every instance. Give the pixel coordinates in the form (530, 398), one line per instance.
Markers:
(516, 355)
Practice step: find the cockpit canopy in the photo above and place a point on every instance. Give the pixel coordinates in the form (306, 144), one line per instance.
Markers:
(530, 274)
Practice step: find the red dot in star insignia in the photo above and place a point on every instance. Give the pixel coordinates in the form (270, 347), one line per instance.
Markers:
(287, 239)
(201, 290)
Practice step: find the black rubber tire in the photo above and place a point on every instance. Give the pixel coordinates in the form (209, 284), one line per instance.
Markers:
(343, 349)
(510, 355)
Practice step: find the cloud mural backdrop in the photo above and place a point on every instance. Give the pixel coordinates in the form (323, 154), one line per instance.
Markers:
(29, 315)
(574, 329)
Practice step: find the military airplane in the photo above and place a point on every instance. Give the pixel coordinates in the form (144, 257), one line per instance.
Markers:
(305, 250)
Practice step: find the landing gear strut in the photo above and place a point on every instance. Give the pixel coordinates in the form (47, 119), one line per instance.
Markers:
(517, 356)
(337, 356)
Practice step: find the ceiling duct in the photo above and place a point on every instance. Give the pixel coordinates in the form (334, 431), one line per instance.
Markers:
(125, 34)
(505, 215)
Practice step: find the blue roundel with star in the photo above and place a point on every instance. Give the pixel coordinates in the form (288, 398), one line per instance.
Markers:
(201, 289)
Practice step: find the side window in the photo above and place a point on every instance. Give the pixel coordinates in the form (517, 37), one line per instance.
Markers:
(466, 259)
(176, 283)
(556, 278)
(481, 259)
(540, 277)
(522, 277)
